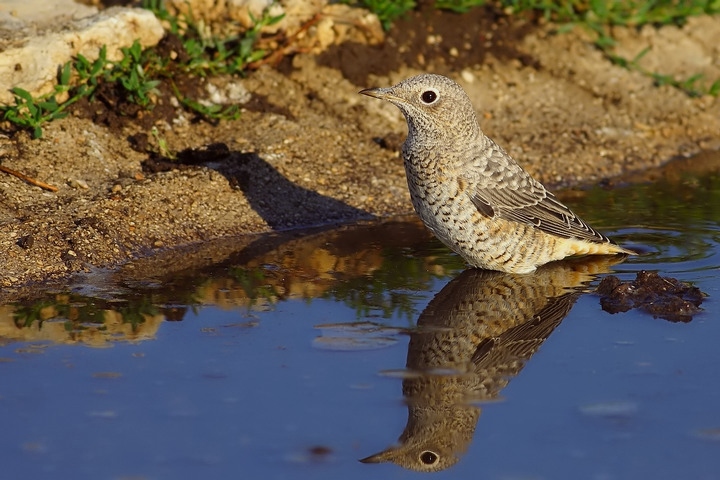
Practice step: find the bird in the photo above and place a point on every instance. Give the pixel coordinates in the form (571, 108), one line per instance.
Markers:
(473, 337)
(471, 194)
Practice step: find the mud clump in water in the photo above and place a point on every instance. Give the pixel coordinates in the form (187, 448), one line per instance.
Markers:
(662, 297)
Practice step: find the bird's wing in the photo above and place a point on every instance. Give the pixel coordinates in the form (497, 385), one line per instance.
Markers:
(510, 193)
(521, 342)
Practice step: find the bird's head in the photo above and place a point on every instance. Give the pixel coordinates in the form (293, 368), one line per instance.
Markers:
(436, 108)
(415, 457)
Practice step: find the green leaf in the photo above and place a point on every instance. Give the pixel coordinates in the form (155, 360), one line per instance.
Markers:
(22, 93)
(49, 105)
(33, 110)
(65, 74)
(714, 89)
(640, 55)
(102, 54)
(275, 19)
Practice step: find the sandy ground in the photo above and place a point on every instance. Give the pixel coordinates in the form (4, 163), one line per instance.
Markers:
(308, 150)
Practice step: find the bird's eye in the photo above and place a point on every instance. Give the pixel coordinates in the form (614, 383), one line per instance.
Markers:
(428, 458)
(429, 96)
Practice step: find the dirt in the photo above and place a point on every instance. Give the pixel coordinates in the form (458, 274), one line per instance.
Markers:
(308, 150)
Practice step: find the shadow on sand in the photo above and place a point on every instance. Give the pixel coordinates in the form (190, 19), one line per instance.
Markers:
(280, 202)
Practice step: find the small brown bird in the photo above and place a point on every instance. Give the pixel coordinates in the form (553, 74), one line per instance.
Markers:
(473, 196)
(471, 340)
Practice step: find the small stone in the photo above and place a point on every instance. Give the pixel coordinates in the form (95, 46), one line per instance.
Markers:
(79, 183)
(467, 76)
(26, 242)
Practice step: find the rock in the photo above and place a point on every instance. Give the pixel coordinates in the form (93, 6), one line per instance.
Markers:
(218, 13)
(32, 59)
(341, 23)
(36, 16)
(662, 297)
(309, 25)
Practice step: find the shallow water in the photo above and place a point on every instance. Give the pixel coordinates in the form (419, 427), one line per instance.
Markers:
(287, 357)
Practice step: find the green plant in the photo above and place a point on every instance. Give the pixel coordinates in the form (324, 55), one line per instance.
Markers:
(130, 73)
(599, 16)
(459, 6)
(139, 72)
(210, 54)
(162, 147)
(89, 74)
(387, 11)
(211, 112)
(30, 113)
(714, 89)
(691, 85)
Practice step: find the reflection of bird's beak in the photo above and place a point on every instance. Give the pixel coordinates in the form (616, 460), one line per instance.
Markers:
(381, 93)
(385, 455)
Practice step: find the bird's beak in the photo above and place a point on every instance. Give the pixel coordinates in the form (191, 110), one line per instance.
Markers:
(381, 93)
(384, 456)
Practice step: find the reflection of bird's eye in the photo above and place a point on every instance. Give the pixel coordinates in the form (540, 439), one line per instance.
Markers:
(428, 96)
(428, 458)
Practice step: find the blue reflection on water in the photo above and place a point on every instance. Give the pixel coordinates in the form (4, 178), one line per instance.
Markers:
(243, 393)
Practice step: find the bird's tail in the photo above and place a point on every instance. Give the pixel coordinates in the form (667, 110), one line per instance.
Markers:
(582, 247)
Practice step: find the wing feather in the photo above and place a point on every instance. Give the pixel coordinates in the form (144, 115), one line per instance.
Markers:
(512, 194)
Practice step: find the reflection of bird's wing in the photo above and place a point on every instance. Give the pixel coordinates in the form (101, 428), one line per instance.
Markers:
(521, 342)
(505, 190)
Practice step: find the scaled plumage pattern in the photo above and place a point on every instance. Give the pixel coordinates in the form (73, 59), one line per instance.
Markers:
(474, 197)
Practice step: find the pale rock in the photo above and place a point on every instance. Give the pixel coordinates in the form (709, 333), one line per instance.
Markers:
(32, 62)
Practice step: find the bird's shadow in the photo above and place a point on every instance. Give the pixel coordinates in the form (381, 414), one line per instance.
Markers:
(280, 202)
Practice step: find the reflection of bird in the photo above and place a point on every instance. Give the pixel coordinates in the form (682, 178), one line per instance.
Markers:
(475, 198)
(475, 335)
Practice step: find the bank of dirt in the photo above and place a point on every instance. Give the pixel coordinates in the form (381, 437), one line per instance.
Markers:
(308, 150)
